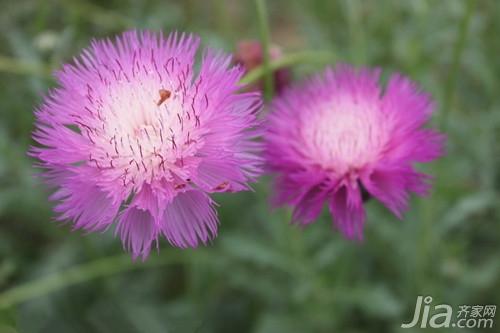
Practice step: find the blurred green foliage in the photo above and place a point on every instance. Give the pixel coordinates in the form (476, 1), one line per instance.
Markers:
(261, 274)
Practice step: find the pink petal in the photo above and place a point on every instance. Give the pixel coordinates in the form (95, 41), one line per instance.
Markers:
(393, 184)
(220, 175)
(310, 205)
(348, 212)
(83, 202)
(137, 231)
(190, 218)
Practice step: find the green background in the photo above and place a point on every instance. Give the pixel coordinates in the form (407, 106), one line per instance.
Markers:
(261, 274)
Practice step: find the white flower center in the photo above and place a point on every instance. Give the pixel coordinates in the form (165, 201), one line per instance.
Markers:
(345, 135)
(144, 130)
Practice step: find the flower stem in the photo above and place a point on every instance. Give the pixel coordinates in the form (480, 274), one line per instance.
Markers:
(11, 65)
(427, 242)
(321, 57)
(356, 32)
(458, 49)
(262, 17)
(88, 271)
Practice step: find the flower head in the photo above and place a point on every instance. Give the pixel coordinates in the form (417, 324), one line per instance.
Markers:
(134, 134)
(249, 54)
(340, 135)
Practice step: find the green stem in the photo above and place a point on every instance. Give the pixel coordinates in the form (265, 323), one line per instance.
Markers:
(264, 39)
(85, 272)
(11, 65)
(427, 242)
(449, 88)
(223, 23)
(322, 57)
(356, 32)
(98, 15)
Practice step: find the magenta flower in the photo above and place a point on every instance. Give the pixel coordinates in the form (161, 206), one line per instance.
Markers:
(340, 137)
(135, 134)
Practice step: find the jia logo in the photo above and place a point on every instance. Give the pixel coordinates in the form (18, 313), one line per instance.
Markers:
(441, 315)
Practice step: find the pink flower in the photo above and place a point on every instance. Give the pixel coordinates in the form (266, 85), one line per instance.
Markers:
(249, 54)
(134, 134)
(340, 136)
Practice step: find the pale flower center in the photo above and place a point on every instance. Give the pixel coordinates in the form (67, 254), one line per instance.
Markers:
(144, 131)
(344, 136)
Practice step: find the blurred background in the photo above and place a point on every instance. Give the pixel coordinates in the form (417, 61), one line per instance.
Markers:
(261, 274)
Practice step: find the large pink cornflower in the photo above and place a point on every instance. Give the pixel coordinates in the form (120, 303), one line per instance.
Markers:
(340, 137)
(135, 134)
